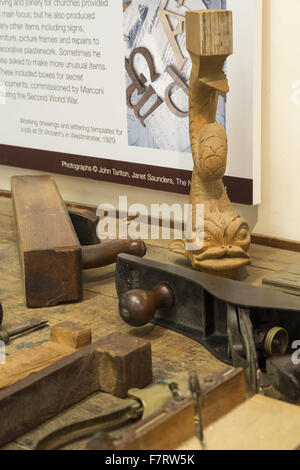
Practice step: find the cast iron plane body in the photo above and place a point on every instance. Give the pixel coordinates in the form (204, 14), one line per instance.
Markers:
(231, 319)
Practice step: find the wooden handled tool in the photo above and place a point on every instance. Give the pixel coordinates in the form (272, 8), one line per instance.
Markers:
(138, 307)
(51, 255)
(95, 254)
(5, 335)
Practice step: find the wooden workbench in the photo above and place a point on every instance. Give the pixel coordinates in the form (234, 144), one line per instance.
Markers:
(174, 355)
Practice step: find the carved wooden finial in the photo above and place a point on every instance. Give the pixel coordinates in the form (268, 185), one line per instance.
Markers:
(222, 237)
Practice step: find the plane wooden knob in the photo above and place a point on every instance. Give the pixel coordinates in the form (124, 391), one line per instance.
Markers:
(138, 307)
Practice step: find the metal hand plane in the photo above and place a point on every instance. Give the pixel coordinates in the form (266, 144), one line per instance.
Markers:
(243, 325)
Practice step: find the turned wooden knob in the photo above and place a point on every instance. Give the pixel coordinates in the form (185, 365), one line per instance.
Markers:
(138, 307)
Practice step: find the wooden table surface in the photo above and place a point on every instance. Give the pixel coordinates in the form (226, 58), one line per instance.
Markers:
(174, 355)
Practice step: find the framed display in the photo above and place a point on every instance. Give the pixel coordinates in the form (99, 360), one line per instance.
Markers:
(99, 89)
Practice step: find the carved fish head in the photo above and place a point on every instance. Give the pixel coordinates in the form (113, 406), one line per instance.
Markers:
(219, 243)
(225, 243)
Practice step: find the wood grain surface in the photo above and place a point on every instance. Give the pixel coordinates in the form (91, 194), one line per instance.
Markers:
(173, 355)
(260, 423)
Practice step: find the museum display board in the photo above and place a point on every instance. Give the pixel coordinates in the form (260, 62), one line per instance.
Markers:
(99, 89)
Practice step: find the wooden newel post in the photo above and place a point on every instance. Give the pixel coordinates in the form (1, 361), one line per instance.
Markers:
(220, 238)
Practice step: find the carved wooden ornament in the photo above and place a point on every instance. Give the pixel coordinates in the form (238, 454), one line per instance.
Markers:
(220, 240)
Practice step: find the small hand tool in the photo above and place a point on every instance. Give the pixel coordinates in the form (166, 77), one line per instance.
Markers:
(5, 335)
